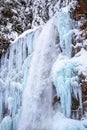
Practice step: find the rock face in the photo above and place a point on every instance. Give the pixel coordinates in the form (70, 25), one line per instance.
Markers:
(80, 19)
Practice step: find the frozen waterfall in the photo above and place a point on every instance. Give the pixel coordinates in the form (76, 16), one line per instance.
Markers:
(39, 100)
(38, 79)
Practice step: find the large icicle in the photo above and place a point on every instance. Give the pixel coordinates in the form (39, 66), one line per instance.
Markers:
(61, 77)
(64, 28)
(62, 68)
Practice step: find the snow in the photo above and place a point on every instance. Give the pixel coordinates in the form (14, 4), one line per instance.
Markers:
(79, 59)
(84, 122)
(60, 122)
(67, 124)
(25, 33)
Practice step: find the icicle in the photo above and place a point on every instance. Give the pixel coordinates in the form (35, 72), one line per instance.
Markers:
(31, 39)
(61, 78)
(11, 58)
(16, 120)
(2, 84)
(64, 28)
(1, 104)
(30, 43)
(19, 53)
(6, 123)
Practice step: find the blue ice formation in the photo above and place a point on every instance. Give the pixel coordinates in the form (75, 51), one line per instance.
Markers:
(36, 61)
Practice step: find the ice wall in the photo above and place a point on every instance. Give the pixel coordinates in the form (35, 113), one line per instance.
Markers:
(63, 71)
(14, 69)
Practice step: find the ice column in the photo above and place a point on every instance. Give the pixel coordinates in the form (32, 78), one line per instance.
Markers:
(62, 67)
(64, 28)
